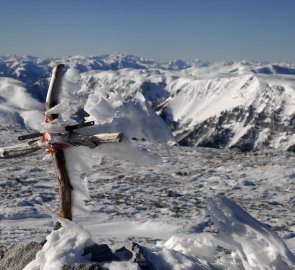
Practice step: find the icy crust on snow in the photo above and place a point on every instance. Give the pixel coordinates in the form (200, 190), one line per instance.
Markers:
(242, 242)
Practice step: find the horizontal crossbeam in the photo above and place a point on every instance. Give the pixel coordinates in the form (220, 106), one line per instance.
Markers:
(69, 139)
(20, 149)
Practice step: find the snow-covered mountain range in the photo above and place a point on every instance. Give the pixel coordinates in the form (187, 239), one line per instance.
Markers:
(228, 104)
(178, 205)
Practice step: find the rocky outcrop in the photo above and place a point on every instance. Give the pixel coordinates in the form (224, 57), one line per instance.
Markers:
(100, 253)
(82, 266)
(17, 256)
(140, 256)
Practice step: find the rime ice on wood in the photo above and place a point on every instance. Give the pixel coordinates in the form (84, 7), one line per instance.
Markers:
(57, 136)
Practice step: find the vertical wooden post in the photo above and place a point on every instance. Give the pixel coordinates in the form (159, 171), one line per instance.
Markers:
(65, 201)
(52, 99)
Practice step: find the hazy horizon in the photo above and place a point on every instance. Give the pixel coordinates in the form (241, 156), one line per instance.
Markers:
(151, 59)
(256, 31)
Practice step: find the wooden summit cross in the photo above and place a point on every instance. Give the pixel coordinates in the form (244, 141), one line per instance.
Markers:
(66, 138)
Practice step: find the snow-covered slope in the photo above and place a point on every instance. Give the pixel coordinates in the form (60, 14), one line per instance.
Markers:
(232, 105)
(228, 104)
(17, 107)
(241, 105)
(35, 72)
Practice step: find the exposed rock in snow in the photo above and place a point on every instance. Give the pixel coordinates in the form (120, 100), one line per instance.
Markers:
(82, 266)
(100, 253)
(17, 256)
(140, 257)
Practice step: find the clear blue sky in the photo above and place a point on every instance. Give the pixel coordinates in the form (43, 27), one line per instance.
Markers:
(211, 30)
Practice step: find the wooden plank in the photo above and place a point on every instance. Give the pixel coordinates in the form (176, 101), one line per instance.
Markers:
(19, 149)
(81, 125)
(52, 99)
(91, 141)
(30, 136)
(109, 137)
(65, 198)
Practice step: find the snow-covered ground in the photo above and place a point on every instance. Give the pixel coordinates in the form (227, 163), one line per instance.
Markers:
(152, 205)
(183, 204)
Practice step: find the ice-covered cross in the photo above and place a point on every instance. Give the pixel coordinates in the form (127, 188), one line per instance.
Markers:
(56, 138)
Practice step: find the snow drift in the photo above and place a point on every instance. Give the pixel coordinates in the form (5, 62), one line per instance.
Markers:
(241, 243)
(244, 242)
